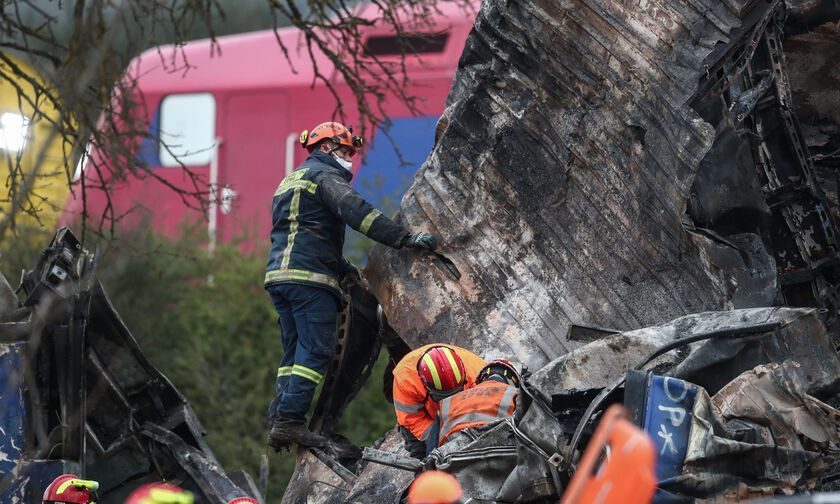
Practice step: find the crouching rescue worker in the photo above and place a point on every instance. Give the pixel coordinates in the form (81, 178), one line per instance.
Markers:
(422, 378)
(493, 397)
(305, 266)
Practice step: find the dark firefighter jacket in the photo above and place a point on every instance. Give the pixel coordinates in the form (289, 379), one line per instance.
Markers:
(309, 211)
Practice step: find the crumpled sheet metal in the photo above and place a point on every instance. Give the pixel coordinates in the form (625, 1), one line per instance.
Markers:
(99, 403)
(314, 483)
(802, 336)
(791, 432)
(495, 464)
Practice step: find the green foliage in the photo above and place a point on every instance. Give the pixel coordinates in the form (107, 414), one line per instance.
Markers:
(216, 340)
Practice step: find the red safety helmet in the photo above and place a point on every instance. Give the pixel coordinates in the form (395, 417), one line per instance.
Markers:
(442, 372)
(500, 367)
(159, 493)
(69, 488)
(435, 487)
(244, 500)
(331, 131)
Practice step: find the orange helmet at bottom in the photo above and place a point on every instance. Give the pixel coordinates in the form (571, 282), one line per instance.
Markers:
(69, 488)
(333, 131)
(244, 500)
(159, 493)
(435, 487)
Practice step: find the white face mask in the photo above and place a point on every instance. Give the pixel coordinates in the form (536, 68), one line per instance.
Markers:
(347, 165)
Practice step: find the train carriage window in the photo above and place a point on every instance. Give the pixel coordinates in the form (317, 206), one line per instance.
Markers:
(187, 129)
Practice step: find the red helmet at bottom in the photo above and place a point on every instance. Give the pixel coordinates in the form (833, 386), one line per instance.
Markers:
(442, 371)
(70, 489)
(244, 500)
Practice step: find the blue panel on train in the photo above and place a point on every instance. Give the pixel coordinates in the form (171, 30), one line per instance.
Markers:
(12, 406)
(382, 179)
(667, 420)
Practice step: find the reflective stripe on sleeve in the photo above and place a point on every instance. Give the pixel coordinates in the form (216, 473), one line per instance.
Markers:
(408, 408)
(368, 221)
(284, 371)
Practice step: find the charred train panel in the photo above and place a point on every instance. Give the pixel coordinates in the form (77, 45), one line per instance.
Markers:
(560, 183)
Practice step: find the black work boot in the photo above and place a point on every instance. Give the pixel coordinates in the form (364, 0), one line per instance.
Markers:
(286, 432)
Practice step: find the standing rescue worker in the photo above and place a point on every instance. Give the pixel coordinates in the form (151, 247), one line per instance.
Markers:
(493, 397)
(310, 210)
(422, 378)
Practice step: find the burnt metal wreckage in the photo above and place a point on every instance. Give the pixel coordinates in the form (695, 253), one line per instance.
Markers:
(629, 207)
(78, 396)
(636, 215)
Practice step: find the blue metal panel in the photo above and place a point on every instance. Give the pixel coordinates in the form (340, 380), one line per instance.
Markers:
(12, 406)
(382, 180)
(34, 477)
(667, 419)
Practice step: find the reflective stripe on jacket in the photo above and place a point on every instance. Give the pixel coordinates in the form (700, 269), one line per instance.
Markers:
(488, 401)
(415, 410)
(309, 211)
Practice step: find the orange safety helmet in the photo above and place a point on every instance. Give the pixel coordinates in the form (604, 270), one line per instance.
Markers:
(69, 488)
(435, 487)
(500, 367)
(244, 500)
(159, 493)
(331, 131)
(442, 372)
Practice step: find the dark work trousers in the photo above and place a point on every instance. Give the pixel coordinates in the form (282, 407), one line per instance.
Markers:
(307, 318)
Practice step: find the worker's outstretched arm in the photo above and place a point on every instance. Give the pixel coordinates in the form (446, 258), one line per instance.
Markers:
(350, 207)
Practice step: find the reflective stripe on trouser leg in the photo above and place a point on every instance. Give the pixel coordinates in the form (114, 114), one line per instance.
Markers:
(315, 312)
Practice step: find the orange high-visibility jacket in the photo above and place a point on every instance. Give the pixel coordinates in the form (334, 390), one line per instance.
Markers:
(415, 411)
(480, 405)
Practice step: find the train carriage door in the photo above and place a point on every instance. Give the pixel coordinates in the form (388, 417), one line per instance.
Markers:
(251, 164)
